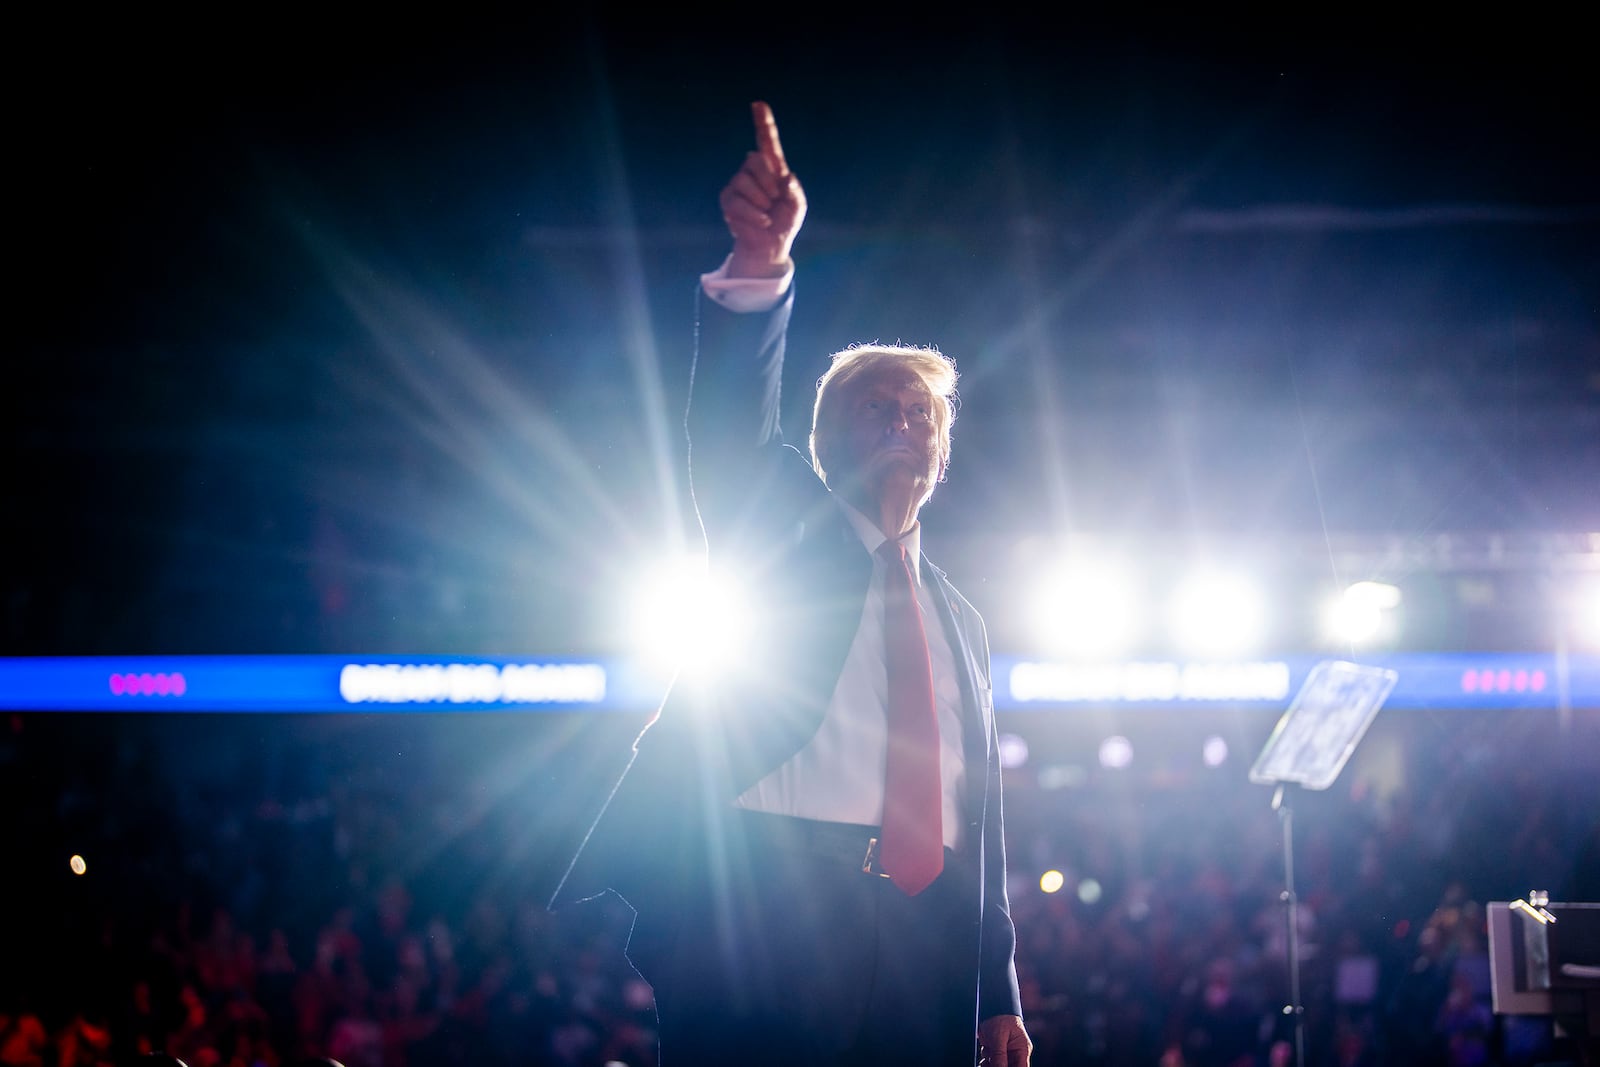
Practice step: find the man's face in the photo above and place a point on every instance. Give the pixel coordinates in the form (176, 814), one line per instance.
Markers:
(887, 434)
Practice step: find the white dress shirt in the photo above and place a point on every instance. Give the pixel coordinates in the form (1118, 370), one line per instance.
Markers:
(838, 775)
(745, 294)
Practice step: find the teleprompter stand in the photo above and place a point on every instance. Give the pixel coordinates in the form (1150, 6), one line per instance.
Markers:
(1309, 747)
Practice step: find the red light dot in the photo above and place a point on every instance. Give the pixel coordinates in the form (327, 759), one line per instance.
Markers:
(1502, 681)
(147, 684)
(1537, 682)
(116, 684)
(179, 686)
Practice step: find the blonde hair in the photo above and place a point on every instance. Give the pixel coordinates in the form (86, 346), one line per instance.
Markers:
(936, 370)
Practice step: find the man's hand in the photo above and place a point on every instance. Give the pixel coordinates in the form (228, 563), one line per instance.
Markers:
(1004, 1042)
(763, 205)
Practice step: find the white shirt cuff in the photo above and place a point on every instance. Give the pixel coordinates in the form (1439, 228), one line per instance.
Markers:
(745, 294)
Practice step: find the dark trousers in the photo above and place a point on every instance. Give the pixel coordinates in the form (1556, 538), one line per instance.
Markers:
(790, 955)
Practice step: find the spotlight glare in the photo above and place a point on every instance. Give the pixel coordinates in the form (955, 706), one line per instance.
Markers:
(690, 616)
(1090, 891)
(1218, 615)
(1362, 613)
(1215, 751)
(1586, 613)
(1087, 610)
(1052, 881)
(77, 865)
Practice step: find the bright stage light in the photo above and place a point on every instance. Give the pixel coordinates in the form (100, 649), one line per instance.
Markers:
(1362, 614)
(1052, 881)
(77, 865)
(1087, 610)
(1090, 891)
(1215, 751)
(1218, 615)
(1013, 752)
(1116, 752)
(689, 616)
(1586, 613)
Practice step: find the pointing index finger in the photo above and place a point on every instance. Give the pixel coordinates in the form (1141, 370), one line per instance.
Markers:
(767, 142)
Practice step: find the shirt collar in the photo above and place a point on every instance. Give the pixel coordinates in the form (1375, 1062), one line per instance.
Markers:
(873, 538)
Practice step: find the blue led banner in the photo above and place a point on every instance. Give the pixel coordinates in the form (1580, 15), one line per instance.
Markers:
(324, 683)
(444, 683)
(1437, 680)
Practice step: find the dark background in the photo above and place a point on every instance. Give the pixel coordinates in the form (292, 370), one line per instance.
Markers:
(369, 334)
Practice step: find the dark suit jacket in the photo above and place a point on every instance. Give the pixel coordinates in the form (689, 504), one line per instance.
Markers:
(771, 522)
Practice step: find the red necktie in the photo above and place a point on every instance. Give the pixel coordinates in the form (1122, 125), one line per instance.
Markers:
(912, 849)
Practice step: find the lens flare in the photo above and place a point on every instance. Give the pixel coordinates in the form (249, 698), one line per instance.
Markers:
(1218, 615)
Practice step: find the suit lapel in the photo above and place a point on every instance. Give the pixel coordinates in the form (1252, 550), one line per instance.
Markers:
(974, 724)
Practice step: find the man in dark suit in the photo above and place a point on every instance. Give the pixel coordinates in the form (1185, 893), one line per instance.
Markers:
(812, 840)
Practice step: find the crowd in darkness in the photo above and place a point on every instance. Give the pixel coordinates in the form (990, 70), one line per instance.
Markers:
(259, 891)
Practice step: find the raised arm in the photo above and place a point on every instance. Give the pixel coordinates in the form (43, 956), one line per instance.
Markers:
(733, 425)
(763, 205)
